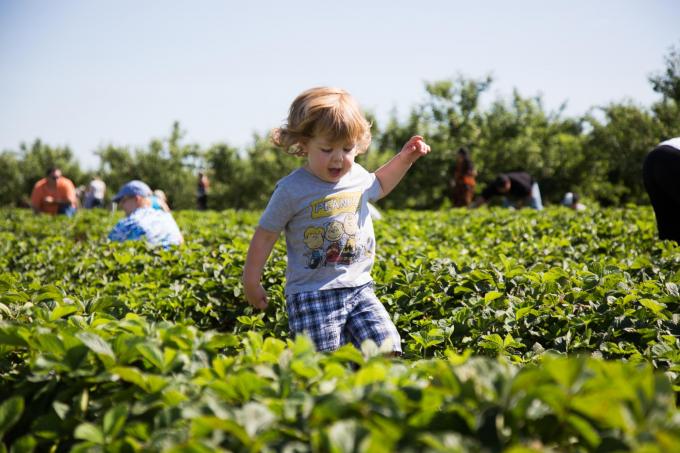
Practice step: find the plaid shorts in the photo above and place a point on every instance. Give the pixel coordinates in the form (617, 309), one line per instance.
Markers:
(333, 317)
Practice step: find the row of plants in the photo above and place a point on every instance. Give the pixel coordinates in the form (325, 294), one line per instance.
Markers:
(82, 380)
(551, 280)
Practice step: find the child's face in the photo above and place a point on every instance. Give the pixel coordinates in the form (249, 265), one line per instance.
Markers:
(329, 161)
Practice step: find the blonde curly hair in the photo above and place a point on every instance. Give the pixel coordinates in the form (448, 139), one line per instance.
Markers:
(323, 111)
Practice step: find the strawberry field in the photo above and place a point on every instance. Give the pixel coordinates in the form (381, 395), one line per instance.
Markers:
(522, 331)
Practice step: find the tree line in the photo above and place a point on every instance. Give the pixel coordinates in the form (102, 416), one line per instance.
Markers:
(599, 155)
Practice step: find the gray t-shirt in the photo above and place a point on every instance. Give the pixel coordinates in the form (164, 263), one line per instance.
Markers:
(328, 228)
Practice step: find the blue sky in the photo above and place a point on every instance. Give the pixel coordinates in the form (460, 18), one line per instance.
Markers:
(89, 73)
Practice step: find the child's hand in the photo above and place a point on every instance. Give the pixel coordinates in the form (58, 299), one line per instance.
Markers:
(256, 295)
(415, 148)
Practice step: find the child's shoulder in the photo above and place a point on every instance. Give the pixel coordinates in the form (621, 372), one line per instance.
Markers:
(292, 178)
(357, 169)
(358, 175)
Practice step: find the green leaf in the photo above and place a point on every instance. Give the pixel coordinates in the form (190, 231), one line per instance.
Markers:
(13, 335)
(89, 432)
(10, 413)
(493, 342)
(61, 311)
(96, 344)
(565, 372)
(152, 353)
(510, 342)
(221, 340)
(304, 369)
(114, 420)
(61, 409)
(371, 373)
(24, 444)
(148, 382)
(585, 429)
(522, 312)
(129, 374)
(49, 293)
(51, 344)
(174, 397)
(122, 258)
(349, 353)
(656, 307)
(492, 295)
(205, 426)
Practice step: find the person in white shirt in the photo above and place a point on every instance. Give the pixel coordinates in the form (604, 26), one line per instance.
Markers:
(94, 194)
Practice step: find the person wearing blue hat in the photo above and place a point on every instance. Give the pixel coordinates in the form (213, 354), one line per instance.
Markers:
(142, 221)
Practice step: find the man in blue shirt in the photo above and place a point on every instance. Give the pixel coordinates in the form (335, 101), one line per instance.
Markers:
(157, 227)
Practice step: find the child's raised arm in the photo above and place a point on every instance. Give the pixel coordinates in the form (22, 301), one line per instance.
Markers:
(260, 248)
(391, 173)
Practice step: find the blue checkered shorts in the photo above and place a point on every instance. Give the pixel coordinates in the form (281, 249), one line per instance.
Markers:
(333, 317)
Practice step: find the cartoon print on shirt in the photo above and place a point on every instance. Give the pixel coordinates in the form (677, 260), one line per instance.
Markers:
(339, 241)
(333, 205)
(333, 234)
(314, 241)
(349, 251)
(350, 226)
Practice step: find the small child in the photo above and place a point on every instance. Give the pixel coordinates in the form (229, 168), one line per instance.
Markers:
(323, 209)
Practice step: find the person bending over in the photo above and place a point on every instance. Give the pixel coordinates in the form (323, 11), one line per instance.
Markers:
(54, 194)
(142, 221)
(518, 189)
(661, 176)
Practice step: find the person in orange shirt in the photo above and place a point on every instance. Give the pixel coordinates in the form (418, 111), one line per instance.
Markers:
(54, 194)
(463, 183)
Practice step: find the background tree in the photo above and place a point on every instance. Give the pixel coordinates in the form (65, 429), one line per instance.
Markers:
(167, 164)
(11, 189)
(667, 83)
(616, 147)
(21, 170)
(598, 155)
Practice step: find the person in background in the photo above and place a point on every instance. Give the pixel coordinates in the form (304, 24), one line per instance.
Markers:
(142, 221)
(323, 209)
(463, 183)
(571, 200)
(80, 195)
(661, 176)
(159, 200)
(94, 194)
(54, 194)
(518, 188)
(202, 192)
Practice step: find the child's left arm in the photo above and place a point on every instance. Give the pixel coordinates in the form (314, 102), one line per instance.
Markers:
(391, 173)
